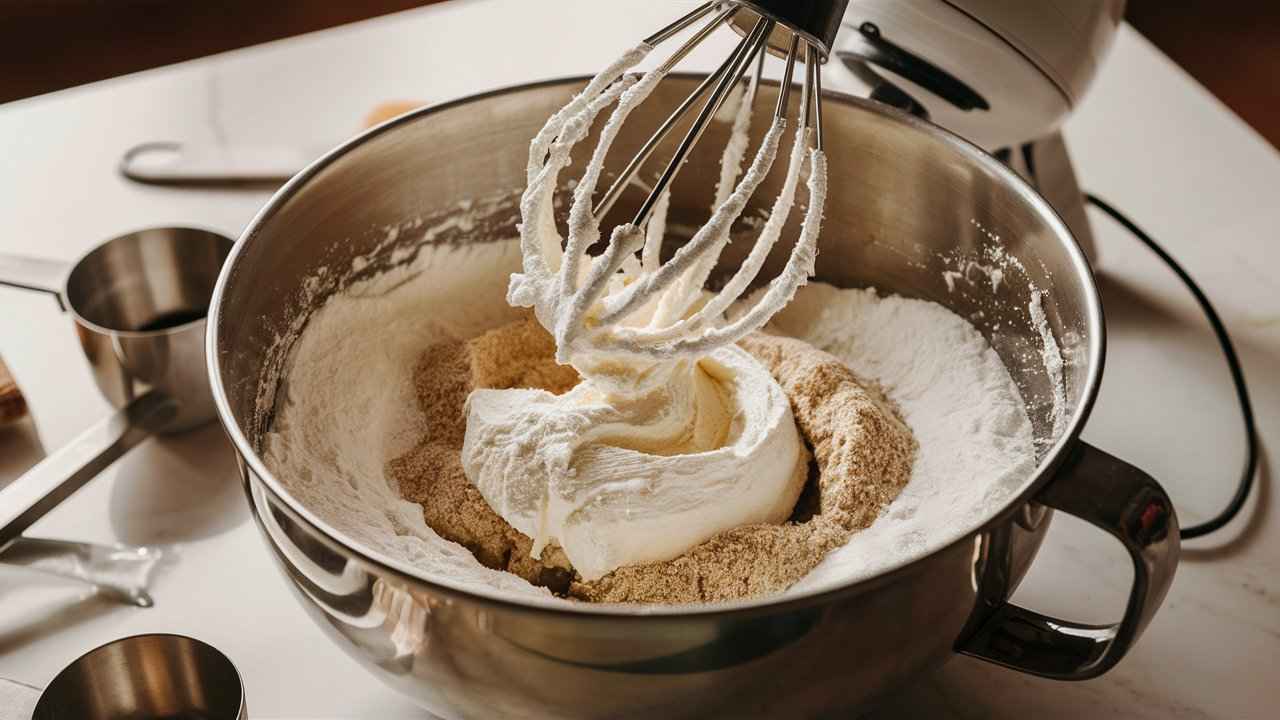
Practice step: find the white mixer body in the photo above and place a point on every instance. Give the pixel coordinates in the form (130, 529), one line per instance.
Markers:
(1029, 62)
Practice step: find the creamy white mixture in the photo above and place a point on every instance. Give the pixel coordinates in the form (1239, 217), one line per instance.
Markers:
(629, 479)
(347, 408)
(675, 434)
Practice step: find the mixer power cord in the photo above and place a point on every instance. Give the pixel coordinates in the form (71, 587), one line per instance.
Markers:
(1245, 484)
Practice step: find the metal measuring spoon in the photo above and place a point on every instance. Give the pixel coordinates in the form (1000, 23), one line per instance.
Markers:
(119, 572)
(138, 302)
(196, 165)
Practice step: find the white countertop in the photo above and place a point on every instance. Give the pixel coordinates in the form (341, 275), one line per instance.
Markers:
(1147, 138)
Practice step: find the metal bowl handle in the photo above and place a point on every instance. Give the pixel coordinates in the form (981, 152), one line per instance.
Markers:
(1122, 500)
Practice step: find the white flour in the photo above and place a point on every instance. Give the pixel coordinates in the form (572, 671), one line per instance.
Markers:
(348, 407)
(348, 400)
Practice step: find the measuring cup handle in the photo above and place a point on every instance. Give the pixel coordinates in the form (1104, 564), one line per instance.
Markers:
(55, 478)
(30, 273)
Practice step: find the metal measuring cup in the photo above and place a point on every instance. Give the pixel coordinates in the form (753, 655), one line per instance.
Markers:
(138, 302)
(146, 676)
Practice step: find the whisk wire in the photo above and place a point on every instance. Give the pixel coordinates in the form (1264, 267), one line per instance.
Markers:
(747, 49)
(758, 76)
(784, 87)
(597, 307)
(807, 96)
(815, 79)
(615, 190)
(690, 18)
(696, 39)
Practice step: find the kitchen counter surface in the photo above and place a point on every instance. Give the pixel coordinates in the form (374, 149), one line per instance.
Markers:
(1147, 138)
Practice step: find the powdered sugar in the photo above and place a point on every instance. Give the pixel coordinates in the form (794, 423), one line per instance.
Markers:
(975, 439)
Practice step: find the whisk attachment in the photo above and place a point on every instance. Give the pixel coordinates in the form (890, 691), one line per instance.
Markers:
(624, 302)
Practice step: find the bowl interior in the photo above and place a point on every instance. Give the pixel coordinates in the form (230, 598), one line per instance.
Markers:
(912, 210)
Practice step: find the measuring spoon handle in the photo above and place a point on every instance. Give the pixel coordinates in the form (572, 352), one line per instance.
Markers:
(55, 478)
(28, 273)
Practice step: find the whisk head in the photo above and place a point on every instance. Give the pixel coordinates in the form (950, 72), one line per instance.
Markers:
(624, 301)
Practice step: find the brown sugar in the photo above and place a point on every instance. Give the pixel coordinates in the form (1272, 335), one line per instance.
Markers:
(863, 454)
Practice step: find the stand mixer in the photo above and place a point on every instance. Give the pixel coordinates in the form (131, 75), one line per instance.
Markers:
(1000, 73)
(1004, 74)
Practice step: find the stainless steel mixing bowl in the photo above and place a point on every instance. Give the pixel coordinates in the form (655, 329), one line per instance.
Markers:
(908, 202)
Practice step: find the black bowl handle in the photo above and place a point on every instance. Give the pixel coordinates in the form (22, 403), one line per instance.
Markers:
(1125, 502)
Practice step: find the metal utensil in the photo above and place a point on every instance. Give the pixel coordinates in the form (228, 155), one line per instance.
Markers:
(146, 676)
(119, 572)
(916, 200)
(195, 164)
(138, 302)
(173, 163)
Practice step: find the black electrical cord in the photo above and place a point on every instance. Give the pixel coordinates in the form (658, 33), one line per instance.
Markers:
(1233, 364)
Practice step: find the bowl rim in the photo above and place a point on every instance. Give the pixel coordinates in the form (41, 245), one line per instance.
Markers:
(255, 467)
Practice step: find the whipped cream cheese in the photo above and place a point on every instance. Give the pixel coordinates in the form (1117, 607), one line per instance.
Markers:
(674, 434)
(629, 479)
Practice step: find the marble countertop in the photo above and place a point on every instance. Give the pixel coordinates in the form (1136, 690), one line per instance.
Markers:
(1147, 138)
